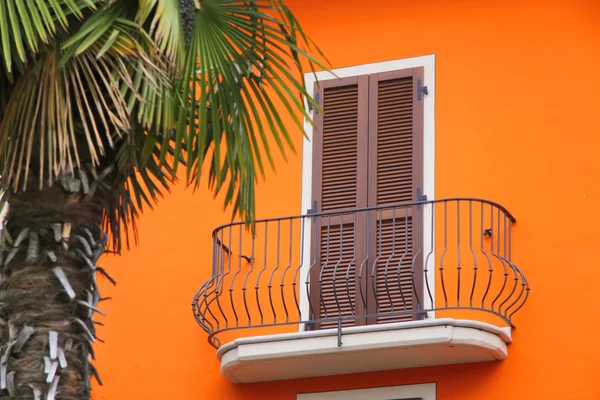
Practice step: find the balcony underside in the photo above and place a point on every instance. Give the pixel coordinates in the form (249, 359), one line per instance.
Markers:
(364, 349)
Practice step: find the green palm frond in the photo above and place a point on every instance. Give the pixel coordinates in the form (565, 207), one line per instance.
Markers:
(27, 25)
(126, 91)
(163, 20)
(78, 98)
(237, 76)
(135, 187)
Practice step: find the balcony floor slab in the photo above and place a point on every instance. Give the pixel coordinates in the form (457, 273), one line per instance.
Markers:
(364, 349)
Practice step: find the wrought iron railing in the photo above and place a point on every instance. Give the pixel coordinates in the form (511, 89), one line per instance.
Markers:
(429, 259)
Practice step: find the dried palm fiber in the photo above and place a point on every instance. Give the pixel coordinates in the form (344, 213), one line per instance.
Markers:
(50, 245)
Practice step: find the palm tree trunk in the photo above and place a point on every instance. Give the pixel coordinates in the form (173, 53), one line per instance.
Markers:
(51, 241)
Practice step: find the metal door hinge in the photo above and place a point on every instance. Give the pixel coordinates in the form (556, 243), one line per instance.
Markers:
(312, 210)
(420, 195)
(421, 315)
(311, 107)
(421, 90)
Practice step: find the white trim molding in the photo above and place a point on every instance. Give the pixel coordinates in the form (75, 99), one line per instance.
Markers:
(428, 64)
(366, 348)
(425, 391)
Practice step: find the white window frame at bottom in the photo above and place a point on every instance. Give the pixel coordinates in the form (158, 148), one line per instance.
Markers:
(426, 391)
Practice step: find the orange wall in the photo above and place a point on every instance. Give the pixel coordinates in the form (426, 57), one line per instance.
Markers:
(516, 122)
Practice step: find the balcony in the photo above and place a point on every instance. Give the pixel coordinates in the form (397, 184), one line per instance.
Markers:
(399, 286)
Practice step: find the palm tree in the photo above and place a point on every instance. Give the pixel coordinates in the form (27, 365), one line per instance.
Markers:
(100, 102)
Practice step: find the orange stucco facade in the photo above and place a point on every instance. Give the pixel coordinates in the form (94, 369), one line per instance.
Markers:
(516, 114)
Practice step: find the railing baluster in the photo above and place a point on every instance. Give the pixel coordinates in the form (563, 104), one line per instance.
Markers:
(512, 267)
(387, 264)
(509, 240)
(418, 253)
(349, 267)
(525, 288)
(270, 286)
(237, 322)
(492, 232)
(458, 244)
(365, 262)
(297, 272)
(524, 285)
(219, 286)
(505, 244)
(291, 240)
(399, 272)
(215, 264)
(444, 253)
(374, 267)
(497, 255)
(246, 282)
(426, 263)
(335, 296)
(472, 252)
(208, 286)
(323, 267)
(309, 295)
(211, 295)
(264, 268)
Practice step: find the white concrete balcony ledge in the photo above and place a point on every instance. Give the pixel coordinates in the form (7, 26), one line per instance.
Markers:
(364, 349)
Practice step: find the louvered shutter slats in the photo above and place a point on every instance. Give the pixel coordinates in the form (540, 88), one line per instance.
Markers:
(392, 164)
(340, 147)
(394, 133)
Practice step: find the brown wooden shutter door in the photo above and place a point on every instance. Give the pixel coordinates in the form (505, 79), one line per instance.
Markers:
(339, 182)
(395, 173)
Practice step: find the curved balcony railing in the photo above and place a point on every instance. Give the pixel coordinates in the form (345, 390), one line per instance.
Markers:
(429, 259)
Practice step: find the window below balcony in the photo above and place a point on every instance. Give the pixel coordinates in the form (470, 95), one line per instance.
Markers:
(406, 392)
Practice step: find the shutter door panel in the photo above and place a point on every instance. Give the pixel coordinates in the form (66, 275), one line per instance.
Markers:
(395, 161)
(339, 182)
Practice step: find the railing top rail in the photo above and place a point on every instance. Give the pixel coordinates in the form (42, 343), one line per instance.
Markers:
(357, 210)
